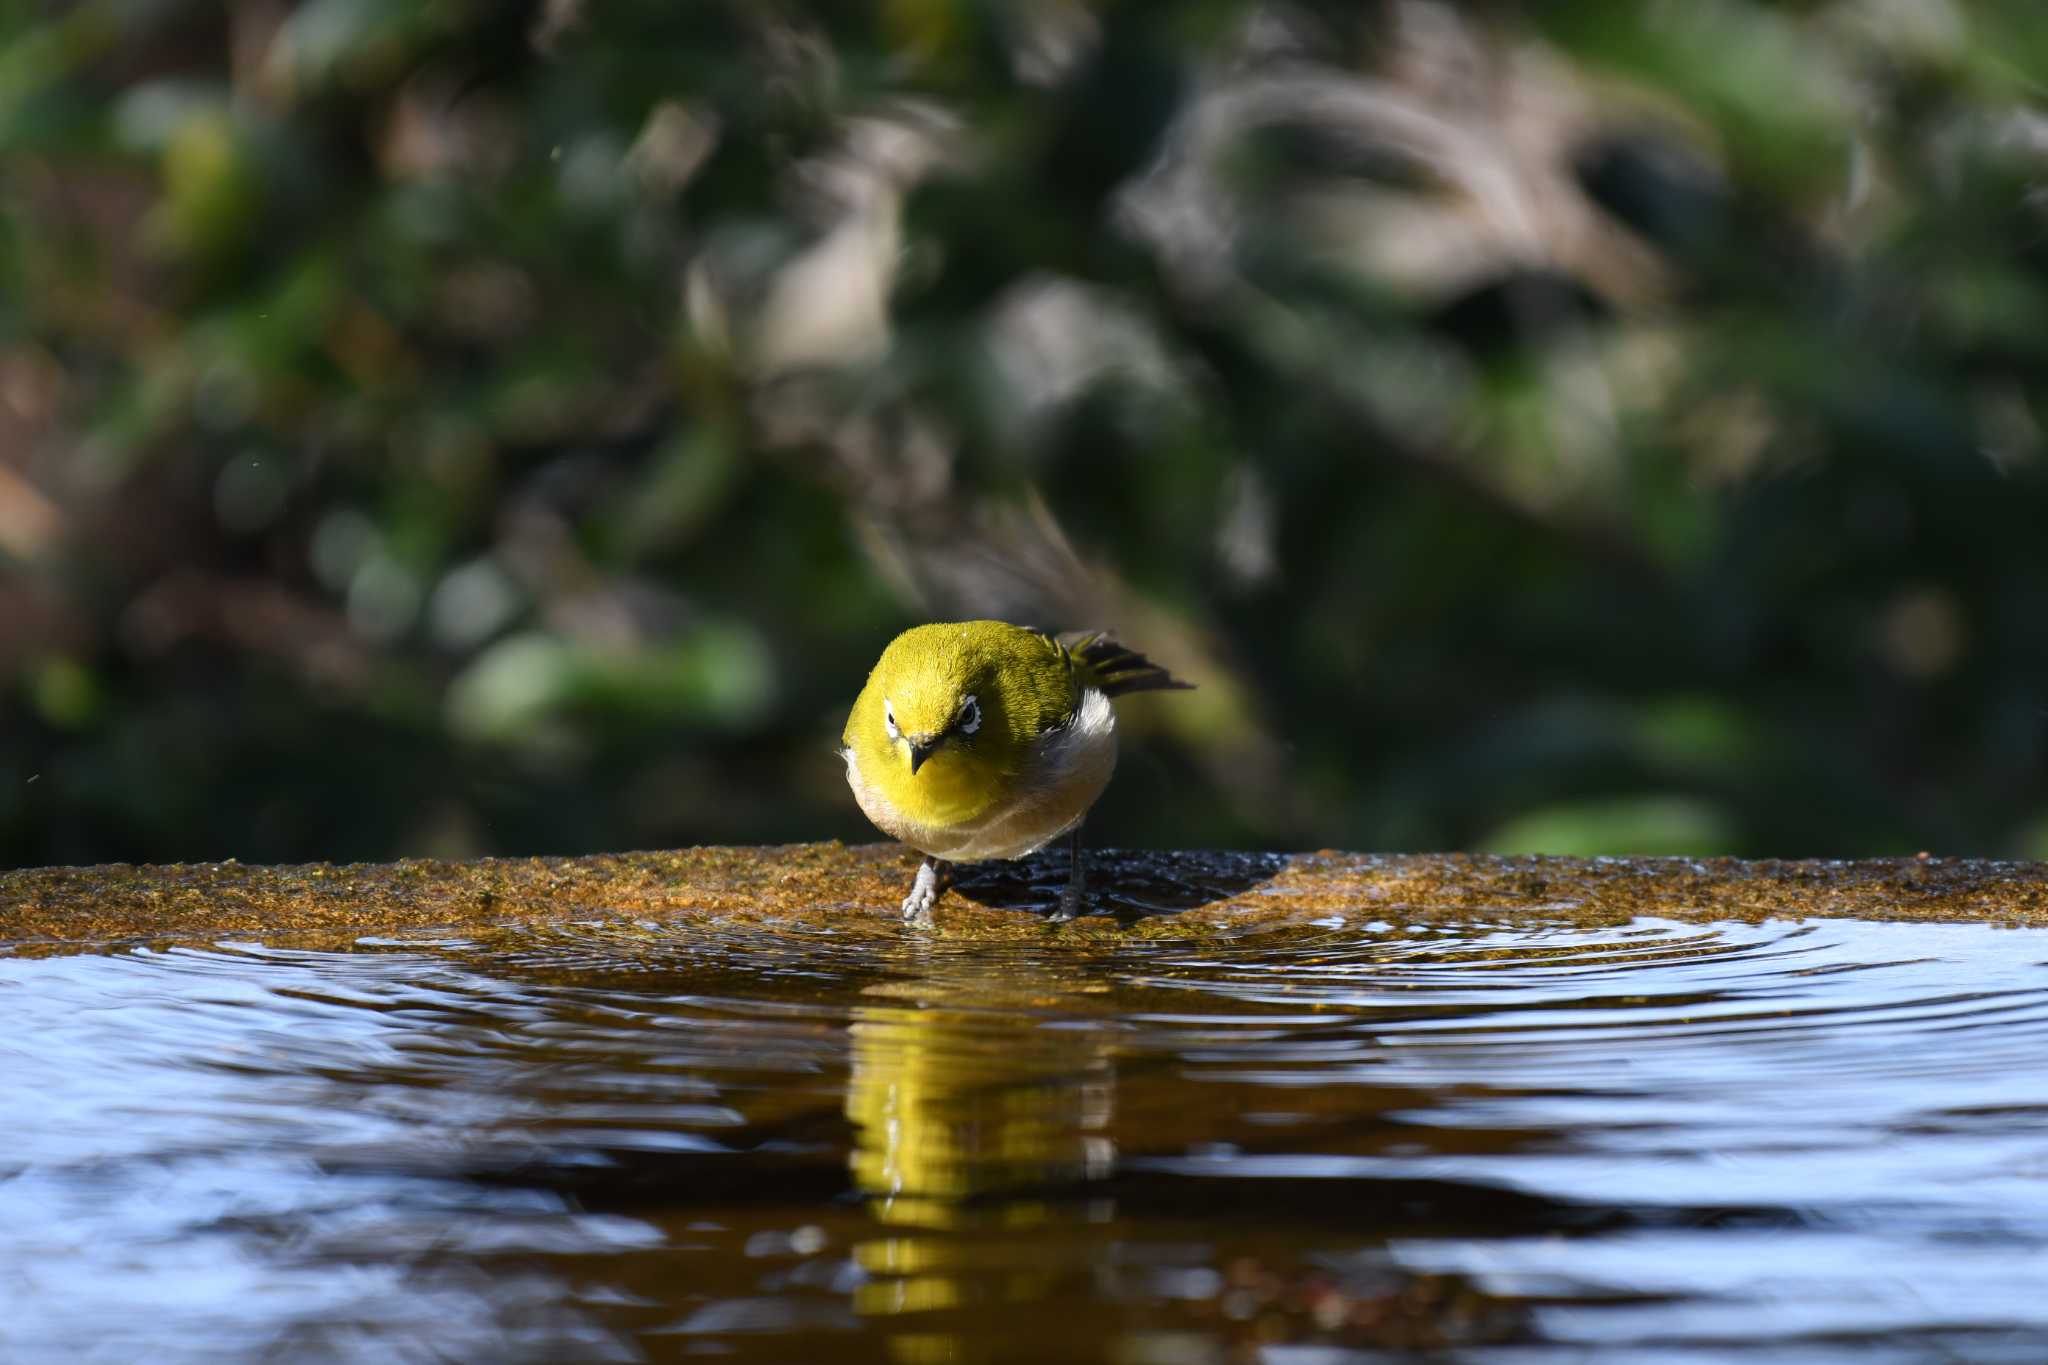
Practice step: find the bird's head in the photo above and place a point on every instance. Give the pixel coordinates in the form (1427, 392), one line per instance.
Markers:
(928, 692)
(950, 710)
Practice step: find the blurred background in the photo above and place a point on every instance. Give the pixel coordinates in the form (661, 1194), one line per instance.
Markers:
(457, 427)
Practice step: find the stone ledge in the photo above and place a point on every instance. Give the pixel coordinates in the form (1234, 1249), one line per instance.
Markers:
(855, 890)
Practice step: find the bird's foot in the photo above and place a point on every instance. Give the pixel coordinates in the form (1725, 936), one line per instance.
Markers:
(1077, 882)
(933, 877)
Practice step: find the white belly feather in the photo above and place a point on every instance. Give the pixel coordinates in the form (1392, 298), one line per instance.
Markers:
(1065, 773)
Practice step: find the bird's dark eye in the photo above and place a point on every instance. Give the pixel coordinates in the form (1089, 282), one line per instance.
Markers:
(889, 718)
(970, 715)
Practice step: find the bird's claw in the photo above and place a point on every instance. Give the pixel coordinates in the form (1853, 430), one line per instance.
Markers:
(931, 883)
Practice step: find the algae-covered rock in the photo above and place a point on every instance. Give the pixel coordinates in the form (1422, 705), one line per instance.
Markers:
(856, 890)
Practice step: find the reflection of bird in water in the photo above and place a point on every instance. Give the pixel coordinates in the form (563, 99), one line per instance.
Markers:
(964, 1119)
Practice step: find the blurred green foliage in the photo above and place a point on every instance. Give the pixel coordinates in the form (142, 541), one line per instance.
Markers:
(446, 426)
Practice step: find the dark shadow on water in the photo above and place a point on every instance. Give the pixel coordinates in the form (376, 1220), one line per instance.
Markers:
(1125, 884)
(631, 1181)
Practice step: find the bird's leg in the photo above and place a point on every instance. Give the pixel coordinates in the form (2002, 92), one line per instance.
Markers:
(934, 875)
(1077, 880)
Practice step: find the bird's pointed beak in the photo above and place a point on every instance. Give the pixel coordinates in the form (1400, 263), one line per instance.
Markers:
(920, 752)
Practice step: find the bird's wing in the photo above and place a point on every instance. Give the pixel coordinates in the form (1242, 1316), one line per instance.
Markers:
(1101, 662)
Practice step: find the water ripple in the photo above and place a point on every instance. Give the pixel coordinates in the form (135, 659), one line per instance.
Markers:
(614, 1140)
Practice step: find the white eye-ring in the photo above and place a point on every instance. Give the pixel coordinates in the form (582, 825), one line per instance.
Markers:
(889, 718)
(970, 715)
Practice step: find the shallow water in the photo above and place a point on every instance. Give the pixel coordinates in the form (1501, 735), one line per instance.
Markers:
(618, 1141)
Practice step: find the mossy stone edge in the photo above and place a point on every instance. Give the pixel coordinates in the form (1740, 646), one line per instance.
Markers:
(832, 887)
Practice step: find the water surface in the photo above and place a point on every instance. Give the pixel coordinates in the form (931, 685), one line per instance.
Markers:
(619, 1141)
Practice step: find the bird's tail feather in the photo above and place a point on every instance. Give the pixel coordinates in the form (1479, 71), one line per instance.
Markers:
(1116, 668)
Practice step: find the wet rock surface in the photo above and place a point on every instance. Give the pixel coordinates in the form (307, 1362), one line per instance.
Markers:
(1133, 894)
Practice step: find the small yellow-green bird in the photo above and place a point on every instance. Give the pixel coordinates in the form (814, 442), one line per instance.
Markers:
(979, 739)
